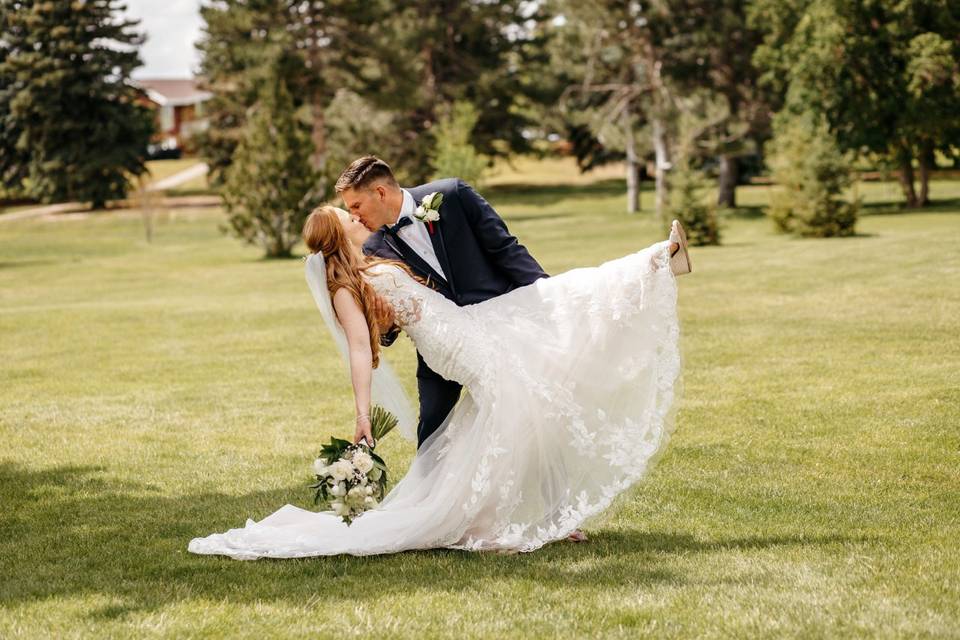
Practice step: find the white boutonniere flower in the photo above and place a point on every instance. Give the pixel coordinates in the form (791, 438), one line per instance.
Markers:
(429, 209)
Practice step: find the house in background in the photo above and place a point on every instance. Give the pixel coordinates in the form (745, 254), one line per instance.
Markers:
(179, 108)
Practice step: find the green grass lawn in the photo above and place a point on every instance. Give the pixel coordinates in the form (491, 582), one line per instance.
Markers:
(156, 392)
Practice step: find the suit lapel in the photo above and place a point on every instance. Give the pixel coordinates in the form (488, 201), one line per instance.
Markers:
(417, 263)
(440, 248)
(373, 246)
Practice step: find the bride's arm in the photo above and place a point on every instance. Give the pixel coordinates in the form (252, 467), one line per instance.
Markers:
(354, 326)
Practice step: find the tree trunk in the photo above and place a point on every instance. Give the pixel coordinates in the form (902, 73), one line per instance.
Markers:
(927, 164)
(906, 176)
(906, 179)
(662, 159)
(633, 168)
(729, 175)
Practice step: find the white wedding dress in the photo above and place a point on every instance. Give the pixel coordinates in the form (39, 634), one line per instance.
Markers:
(570, 386)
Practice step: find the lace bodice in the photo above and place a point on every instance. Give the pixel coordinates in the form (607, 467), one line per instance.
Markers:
(448, 337)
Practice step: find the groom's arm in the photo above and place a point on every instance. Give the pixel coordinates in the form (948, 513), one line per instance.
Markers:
(504, 249)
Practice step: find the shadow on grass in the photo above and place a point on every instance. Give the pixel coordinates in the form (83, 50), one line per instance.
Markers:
(895, 207)
(71, 532)
(546, 217)
(748, 212)
(19, 264)
(514, 194)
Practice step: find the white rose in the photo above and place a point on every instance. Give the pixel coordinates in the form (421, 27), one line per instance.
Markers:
(431, 215)
(341, 469)
(369, 501)
(362, 461)
(356, 492)
(320, 466)
(369, 490)
(339, 490)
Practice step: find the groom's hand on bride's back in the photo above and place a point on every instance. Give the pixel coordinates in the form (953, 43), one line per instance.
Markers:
(384, 312)
(386, 320)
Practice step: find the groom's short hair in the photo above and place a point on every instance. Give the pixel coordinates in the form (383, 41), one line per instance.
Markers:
(363, 172)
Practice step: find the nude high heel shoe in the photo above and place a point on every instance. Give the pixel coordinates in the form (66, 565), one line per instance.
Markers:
(680, 260)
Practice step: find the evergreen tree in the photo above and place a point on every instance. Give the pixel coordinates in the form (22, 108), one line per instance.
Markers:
(77, 126)
(689, 187)
(14, 161)
(356, 127)
(271, 186)
(811, 174)
(455, 156)
(410, 60)
(488, 54)
(318, 47)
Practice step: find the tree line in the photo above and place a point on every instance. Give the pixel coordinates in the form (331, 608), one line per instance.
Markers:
(678, 90)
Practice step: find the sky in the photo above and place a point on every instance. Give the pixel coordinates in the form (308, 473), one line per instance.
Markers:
(172, 26)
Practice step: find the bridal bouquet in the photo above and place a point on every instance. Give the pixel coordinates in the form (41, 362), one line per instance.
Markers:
(351, 478)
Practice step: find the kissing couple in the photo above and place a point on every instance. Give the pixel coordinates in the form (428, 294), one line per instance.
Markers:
(541, 398)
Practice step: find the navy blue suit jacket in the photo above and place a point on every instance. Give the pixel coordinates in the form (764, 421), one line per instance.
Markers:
(479, 256)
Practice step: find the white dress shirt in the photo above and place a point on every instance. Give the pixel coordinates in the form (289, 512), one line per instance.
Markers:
(416, 234)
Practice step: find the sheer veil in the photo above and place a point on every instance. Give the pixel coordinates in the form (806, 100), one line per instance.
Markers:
(386, 389)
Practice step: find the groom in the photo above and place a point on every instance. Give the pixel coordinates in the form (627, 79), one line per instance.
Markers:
(467, 254)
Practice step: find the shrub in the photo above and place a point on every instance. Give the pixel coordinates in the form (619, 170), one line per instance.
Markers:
(811, 174)
(454, 155)
(691, 204)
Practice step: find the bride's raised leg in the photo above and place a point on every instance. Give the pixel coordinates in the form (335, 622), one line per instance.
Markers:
(679, 257)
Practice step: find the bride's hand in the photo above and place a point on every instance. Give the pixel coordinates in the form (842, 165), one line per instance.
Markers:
(363, 431)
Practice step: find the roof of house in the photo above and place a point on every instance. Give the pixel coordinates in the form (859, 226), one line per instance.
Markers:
(175, 93)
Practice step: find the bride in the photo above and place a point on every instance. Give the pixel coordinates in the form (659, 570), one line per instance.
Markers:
(571, 385)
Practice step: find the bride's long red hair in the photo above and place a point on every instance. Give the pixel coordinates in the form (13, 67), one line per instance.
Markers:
(322, 232)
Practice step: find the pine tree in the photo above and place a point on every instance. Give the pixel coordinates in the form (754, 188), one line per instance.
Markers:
(689, 204)
(455, 156)
(319, 47)
(689, 187)
(811, 174)
(14, 161)
(77, 128)
(270, 186)
(484, 53)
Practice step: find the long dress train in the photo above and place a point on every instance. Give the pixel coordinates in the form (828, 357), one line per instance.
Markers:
(570, 388)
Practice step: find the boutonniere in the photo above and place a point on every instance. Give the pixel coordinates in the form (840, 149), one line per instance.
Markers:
(429, 209)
